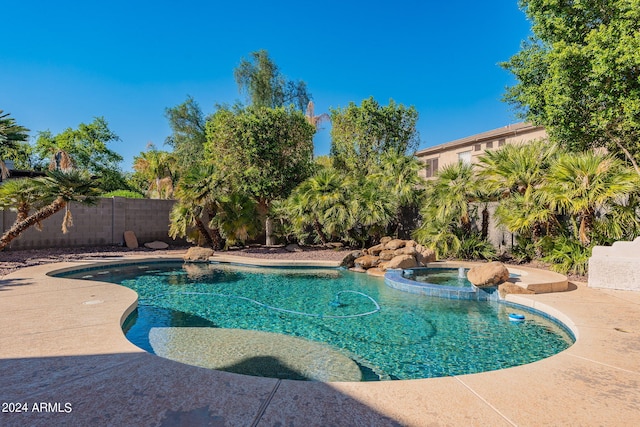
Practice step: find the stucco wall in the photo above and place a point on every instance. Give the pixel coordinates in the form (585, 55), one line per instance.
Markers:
(103, 224)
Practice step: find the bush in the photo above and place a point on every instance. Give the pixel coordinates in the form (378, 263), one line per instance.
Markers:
(123, 193)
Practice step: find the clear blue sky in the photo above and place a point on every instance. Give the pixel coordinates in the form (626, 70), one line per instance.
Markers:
(64, 63)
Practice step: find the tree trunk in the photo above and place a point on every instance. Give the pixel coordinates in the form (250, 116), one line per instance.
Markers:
(20, 226)
(485, 223)
(268, 231)
(318, 228)
(204, 233)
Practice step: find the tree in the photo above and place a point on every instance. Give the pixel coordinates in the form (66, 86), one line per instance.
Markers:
(322, 202)
(56, 191)
(159, 170)
(360, 135)
(263, 152)
(87, 148)
(579, 76)
(199, 194)
(581, 185)
(11, 135)
(260, 78)
(189, 134)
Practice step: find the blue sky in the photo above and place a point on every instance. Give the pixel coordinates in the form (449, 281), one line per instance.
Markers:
(64, 63)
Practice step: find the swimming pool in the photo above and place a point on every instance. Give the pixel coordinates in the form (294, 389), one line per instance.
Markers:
(387, 333)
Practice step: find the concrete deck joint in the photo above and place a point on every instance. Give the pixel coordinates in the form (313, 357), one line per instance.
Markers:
(265, 404)
(497, 411)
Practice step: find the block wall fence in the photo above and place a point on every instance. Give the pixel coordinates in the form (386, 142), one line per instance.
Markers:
(102, 224)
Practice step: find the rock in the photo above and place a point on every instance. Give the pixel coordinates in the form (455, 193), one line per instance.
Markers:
(394, 244)
(335, 245)
(367, 261)
(386, 255)
(407, 250)
(130, 239)
(385, 240)
(358, 270)
(198, 254)
(377, 272)
(512, 288)
(425, 256)
(402, 261)
(349, 260)
(490, 274)
(411, 244)
(156, 245)
(293, 247)
(375, 250)
(383, 265)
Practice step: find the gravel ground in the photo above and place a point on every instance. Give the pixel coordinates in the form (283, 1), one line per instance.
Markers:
(13, 260)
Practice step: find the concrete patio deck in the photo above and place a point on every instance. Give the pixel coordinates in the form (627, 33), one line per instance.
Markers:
(64, 358)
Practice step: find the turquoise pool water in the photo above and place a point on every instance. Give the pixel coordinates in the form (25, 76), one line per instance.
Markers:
(389, 333)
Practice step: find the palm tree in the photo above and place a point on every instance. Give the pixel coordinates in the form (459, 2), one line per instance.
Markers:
(237, 218)
(10, 135)
(514, 174)
(312, 118)
(447, 211)
(20, 195)
(321, 201)
(583, 184)
(58, 189)
(198, 192)
(159, 168)
(398, 179)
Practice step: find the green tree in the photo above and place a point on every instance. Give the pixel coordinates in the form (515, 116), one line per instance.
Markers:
(579, 76)
(447, 211)
(361, 135)
(260, 78)
(56, 191)
(264, 152)
(188, 136)
(582, 185)
(11, 135)
(199, 194)
(158, 168)
(322, 202)
(87, 147)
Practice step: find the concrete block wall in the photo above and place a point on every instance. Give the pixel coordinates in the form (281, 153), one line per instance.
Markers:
(103, 224)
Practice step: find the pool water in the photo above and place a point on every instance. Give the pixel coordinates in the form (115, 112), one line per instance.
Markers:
(442, 277)
(390, 334)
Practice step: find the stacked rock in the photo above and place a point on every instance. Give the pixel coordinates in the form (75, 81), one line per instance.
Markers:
(390, 253)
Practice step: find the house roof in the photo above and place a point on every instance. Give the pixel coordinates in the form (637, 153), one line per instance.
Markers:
(491, 135)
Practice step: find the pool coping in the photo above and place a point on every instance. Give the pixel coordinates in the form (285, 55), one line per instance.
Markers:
(107, 380)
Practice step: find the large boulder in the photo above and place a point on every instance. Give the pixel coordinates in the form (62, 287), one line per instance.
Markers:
(402, 261)
(425, 256)
(490, 274)
(411, 244)
(395, 244)
(130, 239)
(386, 255)
(349, 259)
(198, 254)
(375, 250)
(367, 261)
(293, 247)
(407, 250)
(156, 244)
(385, 239)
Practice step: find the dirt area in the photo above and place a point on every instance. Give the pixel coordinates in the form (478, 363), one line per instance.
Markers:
(13, 260)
